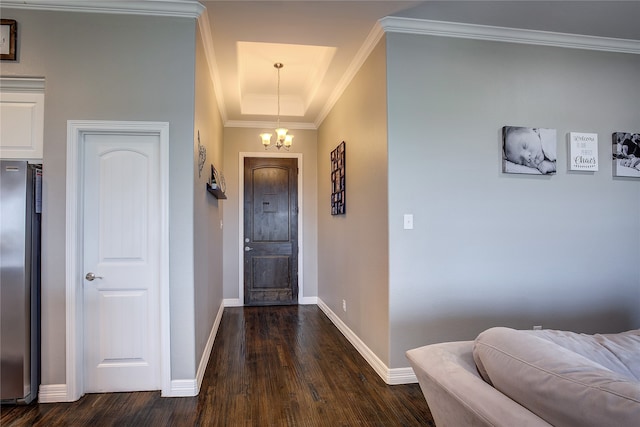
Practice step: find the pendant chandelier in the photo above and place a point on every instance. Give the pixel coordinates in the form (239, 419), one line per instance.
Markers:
(282, 139)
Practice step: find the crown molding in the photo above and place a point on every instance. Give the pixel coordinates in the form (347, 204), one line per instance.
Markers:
(392, 24)
(266, 124)
(365, 50)
(176, 8)
(210, 55)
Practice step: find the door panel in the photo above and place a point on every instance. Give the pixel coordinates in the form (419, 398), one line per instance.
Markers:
(270, 231)
(122, 248)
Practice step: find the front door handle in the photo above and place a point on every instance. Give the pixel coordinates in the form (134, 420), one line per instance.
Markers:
(247, 249)
(91, 277)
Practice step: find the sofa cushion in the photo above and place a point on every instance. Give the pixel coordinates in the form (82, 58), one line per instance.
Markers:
(618, 352)
(559, 385)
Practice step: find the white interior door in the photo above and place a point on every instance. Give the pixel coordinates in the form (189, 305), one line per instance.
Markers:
(121, 248)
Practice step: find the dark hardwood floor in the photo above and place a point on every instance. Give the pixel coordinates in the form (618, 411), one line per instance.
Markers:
(270, 366)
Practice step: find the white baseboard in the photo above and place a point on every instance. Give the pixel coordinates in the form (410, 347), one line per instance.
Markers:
(232, 302)
(402, 376)
(57, 393)
(53, 393)
(389, 376)
(183, 388)
(235, 302)
(202, 367)
(189, 388)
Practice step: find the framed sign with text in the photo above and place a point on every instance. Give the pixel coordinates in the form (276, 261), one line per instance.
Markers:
(583, 151)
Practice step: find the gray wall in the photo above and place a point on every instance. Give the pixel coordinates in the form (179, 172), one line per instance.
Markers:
(495, 249)
(111, 67)
(353, 248)
(207, 212)
(247, 140)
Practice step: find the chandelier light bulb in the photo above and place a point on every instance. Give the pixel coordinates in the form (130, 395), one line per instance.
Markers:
(288, 140)
(282, 133)
(266, 139)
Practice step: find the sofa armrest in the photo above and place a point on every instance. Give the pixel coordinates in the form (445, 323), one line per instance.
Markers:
(457, 395)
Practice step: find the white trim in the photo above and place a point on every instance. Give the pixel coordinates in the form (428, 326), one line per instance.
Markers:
(236, 302)
(308, 301)
(392, 24)
(363, 53)
(74, 354)
(74, 344)
(202, 366)
(22, 84)
(232, 302)
(389, 376)
(183, 388)
(262, 154)
(371, 358)
(176, 8)
(165, 284)
(402, 376)
(210, 55)
(52, 393)
(267, 124)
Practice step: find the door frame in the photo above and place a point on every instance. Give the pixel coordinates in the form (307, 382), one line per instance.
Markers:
(242, 155)
(76, 129)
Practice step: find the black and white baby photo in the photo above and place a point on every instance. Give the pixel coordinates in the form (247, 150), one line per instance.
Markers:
(527, 150)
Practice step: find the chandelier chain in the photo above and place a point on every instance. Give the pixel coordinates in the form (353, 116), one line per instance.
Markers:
(282, 139)
(278, 68)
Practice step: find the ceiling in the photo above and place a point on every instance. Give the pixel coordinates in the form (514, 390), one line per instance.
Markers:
(316, 41)
(323, 43)
(319, 42)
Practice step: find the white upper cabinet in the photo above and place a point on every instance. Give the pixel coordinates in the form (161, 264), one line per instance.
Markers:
(21, 118)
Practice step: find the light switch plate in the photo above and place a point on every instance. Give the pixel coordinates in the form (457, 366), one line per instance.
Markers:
(408, 221)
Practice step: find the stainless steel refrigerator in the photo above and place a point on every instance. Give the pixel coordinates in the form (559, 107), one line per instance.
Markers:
(20, 214)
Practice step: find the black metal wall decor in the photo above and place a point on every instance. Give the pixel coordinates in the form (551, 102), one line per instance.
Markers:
(338, 184)
(202, 156)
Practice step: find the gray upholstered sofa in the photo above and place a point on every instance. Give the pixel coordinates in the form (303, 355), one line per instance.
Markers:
(510, 378)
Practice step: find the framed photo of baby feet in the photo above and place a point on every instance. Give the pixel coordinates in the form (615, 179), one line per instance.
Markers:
(626, 154)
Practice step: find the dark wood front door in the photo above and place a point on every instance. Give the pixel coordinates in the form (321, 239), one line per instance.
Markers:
(270, 231)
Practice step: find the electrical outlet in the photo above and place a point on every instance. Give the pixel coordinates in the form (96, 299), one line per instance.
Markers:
(344, 305)
(537, 328)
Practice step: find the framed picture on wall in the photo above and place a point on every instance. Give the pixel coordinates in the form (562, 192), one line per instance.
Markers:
(626, 154)
(8, 39)
(527, 150)
(583, 151)
(338, 180)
